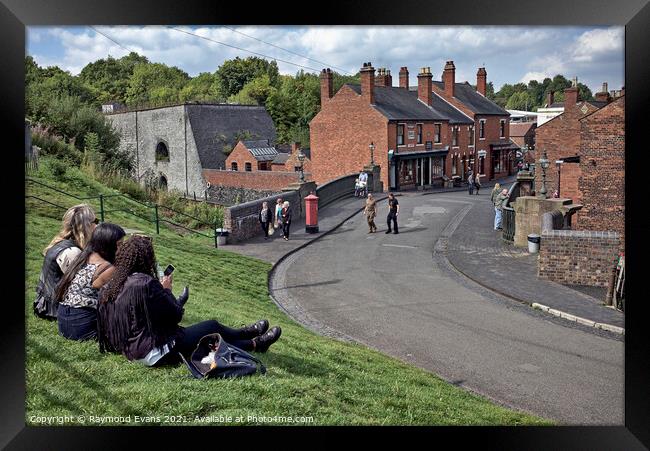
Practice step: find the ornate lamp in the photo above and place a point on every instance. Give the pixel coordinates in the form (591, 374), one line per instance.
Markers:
(544, 163)
(372, 153)
(301, 158)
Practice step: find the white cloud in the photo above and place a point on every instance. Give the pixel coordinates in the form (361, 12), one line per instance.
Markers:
(594, 43)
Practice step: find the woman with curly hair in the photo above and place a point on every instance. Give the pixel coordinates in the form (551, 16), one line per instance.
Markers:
(138, 315)
(78, 291)
(78, 225)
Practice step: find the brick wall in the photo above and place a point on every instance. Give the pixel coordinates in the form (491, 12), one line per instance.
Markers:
(241, 155)
(261, 180)
(578, 257)
(561, 138)
(602, 160)
(569, 186)
(341, 133)
(242, 221)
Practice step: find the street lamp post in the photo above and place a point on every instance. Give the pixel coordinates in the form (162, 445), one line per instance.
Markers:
(544, 163)
(558, 164)
(372, 153)
(301, 158)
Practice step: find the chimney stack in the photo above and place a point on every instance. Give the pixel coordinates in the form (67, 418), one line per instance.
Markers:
(326, 85)
(449, 78)
(425, 93)
(603, 95)
(550, 98)
(368, 82)
(571, 95)
(404, 78)
(481, 81)
(383, 78)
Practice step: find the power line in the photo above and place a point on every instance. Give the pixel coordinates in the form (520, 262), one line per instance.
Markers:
(109, 38)
(281, 48)
(245, 50)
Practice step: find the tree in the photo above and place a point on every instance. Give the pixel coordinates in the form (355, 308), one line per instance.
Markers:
(519, 101)
(155, 83)
(203, 87)
(232, 75)
(111, 76)
(255, 92)
(489, 91)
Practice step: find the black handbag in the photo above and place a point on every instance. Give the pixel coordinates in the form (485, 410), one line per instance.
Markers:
(213, 357)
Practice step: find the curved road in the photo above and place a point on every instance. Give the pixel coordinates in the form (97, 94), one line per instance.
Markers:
(399, 295)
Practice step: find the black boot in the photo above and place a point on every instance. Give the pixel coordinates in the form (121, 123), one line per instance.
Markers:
(263, 342)
(255, 330)
(182, 299)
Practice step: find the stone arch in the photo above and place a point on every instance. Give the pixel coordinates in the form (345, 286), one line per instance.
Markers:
(162, 151)
(162, 182)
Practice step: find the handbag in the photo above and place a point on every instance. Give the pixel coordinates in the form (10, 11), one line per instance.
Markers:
(271, 229)
(213, 357)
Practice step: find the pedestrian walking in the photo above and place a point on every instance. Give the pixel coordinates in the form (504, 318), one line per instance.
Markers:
(266, 219)
(495, 191)
(276, 217)
(499, 202)
(470, 182)
(370, 211)
(393, 211)
(285, 216)
(477, 182)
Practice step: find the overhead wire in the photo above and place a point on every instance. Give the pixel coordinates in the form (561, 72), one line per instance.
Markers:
(109, 38)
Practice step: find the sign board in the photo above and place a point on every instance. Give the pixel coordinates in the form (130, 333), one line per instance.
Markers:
(482, 153)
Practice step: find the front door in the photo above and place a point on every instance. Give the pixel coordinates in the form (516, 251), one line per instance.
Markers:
(426, 171)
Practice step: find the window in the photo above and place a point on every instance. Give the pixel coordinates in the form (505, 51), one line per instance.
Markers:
(233, 166)
(249, 167)
(481, 130)
(454, 136)
(481, 165)
(263, 166)
(502, 129)
(162, 153)
(496, 158)
(437, 133)
(471, 135)
(400, 135)
(454, 163)
(296, 168)
(162, 183)
(419, 129)
(436, 167)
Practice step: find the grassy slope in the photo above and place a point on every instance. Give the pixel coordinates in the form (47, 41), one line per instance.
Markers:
(308, 375)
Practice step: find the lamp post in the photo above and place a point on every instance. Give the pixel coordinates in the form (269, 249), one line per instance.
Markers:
(301, 158)
(372, 153)
(544, 163)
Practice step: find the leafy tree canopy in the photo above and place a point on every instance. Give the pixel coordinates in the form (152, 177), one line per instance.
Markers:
(233, 74)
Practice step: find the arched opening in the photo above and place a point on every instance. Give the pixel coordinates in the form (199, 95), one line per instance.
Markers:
(162, 153)
(162, 183)
(233, 166)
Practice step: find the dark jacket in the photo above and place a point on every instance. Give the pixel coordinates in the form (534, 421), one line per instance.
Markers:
(144, 315)
(46, 305)
(286, 215)
(269, 216)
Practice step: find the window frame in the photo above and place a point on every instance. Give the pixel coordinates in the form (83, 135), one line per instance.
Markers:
(401, 127)
(502, 128)
(418, 133)
(437, 133)
(481, 133)
(248, 167)
(234, 166)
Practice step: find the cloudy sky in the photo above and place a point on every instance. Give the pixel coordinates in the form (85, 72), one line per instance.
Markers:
(510, 54)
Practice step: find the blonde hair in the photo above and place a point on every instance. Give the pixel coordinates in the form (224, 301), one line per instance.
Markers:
(285, 204)
(497, 185)
(77, 226)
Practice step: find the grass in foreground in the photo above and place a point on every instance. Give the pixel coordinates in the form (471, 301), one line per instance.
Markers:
(331, 382)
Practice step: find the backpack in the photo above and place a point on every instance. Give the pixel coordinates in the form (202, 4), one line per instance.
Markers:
(213, 357)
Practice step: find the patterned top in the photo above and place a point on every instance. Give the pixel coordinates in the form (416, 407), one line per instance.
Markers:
(81, 293)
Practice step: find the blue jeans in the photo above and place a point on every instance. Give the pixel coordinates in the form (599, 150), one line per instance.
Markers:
(77, 323)
(497, 218)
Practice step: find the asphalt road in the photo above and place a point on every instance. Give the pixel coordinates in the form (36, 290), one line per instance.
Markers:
(399, 295)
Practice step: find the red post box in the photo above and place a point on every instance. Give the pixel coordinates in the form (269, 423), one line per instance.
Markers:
(311, 214)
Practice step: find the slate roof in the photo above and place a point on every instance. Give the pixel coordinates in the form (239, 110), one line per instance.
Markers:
(520, 128)
(466, 94)
(281, 158)
(449, 111)
(598, 103)
(400, 104)
(216, 125)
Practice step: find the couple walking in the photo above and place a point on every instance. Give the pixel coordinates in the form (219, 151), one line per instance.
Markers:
(371, 211)
(499, 198)
(473, 182)
(281, 216)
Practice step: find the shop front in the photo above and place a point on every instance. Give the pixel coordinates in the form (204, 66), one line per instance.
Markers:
(418, 170)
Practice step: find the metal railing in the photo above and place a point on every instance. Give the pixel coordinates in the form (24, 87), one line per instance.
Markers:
(152, 211)
(508, 221)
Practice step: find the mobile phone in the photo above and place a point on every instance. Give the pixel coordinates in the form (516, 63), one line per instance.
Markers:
(168, 270)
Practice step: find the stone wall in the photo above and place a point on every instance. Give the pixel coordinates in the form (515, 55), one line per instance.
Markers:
(528, 215)
(578, 257)
(242, 221)
(336, 189)
(232, 195)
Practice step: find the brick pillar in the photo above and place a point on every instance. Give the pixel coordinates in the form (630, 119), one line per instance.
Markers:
(368, 82)
(570, 98)
(425, 93)
(449, 78)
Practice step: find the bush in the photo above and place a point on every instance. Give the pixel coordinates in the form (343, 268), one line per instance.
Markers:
(55, 146)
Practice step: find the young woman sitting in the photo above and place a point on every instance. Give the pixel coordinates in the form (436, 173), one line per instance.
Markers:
(78, 291)
(139, 316)
(78, 225)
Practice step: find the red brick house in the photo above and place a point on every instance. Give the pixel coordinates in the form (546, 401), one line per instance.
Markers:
(602, 168)
(418, 134)
(288, 161)
(523, 134)
(251, 156)
(493, 151)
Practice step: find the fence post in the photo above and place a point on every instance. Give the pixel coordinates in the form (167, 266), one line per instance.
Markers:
(194, 196)
(157, 221)
(101, 206)
(216, 222)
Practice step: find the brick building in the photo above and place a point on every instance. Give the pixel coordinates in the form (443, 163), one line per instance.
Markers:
(602, 167)
(419, 135)
(251, 156)
(523, 134)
